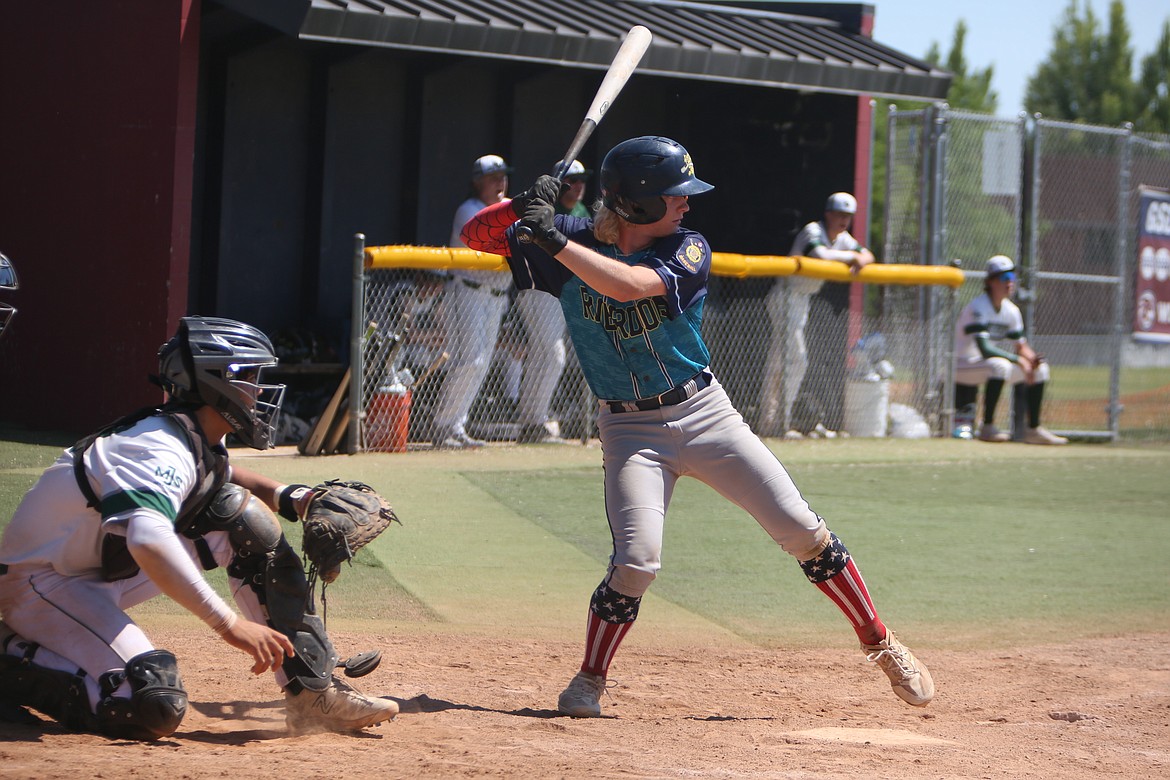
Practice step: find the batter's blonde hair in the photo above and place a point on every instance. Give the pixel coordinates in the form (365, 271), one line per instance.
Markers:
(605, 224)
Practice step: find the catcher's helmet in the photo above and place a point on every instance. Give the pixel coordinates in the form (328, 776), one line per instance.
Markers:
(638, 172)
(217, 362)
(8, 281)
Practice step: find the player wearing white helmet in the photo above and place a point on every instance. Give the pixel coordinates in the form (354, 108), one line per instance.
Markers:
(471, 309)
(139, 508)
(787, 305)
(988, 321)
(632, 282)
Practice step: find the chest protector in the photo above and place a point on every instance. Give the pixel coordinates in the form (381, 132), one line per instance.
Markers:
(211, 468)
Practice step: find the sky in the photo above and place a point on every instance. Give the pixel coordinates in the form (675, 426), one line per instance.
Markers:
(1014, 36)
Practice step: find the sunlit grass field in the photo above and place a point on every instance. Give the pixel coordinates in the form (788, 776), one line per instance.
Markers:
(960, 542)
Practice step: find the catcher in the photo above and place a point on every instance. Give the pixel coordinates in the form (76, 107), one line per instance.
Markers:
(140, 508)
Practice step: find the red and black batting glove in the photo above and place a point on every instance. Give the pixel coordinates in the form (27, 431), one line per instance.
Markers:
(538, 218)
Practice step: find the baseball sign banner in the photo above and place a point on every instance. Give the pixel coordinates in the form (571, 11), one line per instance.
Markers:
(1151, 321)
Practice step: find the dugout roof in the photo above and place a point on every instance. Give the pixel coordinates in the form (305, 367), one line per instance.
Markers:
(747, 43)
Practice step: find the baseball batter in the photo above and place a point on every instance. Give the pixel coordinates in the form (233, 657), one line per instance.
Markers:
(142, 507)
(632, 283)
(988, 320)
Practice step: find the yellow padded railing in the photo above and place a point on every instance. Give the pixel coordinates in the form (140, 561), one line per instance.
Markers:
(722, 264)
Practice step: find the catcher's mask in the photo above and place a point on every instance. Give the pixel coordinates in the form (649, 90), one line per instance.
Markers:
(638, 172)
(218, 362)
(8, 281)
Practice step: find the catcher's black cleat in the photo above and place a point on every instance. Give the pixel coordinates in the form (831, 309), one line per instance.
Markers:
(361, 664)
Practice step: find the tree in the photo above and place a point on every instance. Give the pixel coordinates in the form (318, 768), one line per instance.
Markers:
(1088, 74)
(1153, 88)
(969, 90)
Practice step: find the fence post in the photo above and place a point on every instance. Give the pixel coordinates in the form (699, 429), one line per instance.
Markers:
(1122, 286)
(357, 328)
(936, 204)
(948, 390)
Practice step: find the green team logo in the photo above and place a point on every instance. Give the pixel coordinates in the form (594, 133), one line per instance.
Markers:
(168, 476)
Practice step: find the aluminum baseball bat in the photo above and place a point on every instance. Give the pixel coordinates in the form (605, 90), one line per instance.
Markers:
(627, 58)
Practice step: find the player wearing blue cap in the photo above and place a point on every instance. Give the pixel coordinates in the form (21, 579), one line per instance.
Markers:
(632, 283)
(988, 320)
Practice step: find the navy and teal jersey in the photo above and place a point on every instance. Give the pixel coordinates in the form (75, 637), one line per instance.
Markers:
(635, 349)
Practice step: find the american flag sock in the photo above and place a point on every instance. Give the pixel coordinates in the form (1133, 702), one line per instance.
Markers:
(601, 642)
(836, 575)
(611, 615)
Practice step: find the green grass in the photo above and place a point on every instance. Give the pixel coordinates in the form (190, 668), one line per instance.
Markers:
(964, 547)
(1081, 383)
(961, 543)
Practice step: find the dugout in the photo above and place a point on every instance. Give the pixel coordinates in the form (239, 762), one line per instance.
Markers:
(217, 156)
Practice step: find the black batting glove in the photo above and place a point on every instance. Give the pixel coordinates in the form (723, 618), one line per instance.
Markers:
(545, 188)
(538, 218)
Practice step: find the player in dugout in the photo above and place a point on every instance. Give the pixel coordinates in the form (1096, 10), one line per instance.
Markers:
(632, 283)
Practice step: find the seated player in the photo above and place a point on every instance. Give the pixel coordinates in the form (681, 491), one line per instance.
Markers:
(992, 318)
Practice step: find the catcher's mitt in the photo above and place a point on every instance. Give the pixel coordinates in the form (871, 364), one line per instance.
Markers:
(342, 517)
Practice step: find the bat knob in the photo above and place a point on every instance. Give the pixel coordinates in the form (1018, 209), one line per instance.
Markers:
(524, 234)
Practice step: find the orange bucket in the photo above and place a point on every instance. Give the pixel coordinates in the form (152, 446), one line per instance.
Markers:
(388, 421)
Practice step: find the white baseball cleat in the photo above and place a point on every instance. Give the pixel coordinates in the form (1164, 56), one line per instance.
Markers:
(909, 677)
(988, 432)
(451, 439)
(1041, 435)
(337, 708)
(582, 699)
(535, 433)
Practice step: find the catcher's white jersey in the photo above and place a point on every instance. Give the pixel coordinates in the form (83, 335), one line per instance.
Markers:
(811, 241)
(146, 468)
(980, 317)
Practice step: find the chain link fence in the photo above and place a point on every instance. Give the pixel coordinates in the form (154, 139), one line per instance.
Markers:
(1085, 187)
(870, 387)
(1144, 376)
(1076, 278)
(963, 186)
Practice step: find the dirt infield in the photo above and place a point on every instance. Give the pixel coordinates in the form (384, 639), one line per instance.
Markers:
(477, 707)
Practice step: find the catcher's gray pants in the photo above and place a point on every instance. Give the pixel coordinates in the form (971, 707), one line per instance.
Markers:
(706, 438)
(80, 621)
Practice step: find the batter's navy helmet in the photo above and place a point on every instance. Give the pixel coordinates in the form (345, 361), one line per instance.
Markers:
(638, 172)
(217, 362)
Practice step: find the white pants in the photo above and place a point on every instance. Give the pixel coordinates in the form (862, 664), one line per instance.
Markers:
(976, 372)
(787, 359)
(471, 320)
(81, 621)
(704, 437)
(544, 359)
